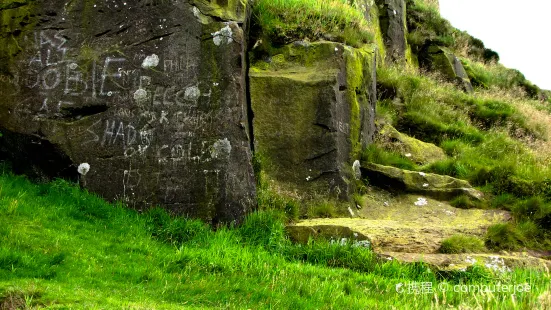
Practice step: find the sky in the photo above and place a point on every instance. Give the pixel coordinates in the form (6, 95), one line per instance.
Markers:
(520, 31)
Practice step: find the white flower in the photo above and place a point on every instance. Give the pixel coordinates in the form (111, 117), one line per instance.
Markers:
(83, 168)
(426, 185)
(422, 174)
(408, 155)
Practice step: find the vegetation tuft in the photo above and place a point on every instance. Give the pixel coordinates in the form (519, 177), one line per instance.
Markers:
(62, 247)
(283, 21)
(462, 244)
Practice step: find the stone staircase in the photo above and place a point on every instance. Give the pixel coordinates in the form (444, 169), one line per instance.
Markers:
(411, 228)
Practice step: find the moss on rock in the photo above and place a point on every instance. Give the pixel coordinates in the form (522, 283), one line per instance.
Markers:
(442, 60)
(230, 10)
(420, 152)
(312, 115)
(433, 185)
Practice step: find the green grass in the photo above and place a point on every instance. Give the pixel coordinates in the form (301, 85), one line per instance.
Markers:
(462, 244)
(283, 21)
(63, 248)
(375, 154)
(483, 137)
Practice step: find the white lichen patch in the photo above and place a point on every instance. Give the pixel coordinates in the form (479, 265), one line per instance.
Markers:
(223, 36)
(357, 171)
(196, 12)
(140, 95)
(421, 202)
(83, 168)
(470, 260)
(497, 264)
(151, 61)
(221, 149)
(192, 93)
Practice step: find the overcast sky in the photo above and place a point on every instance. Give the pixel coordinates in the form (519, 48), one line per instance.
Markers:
(520, 31)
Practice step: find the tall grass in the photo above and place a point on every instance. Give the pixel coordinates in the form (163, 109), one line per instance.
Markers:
(61, 247)
(485, 136)
(284, 21)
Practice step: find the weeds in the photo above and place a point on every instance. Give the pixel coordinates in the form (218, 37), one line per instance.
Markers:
(282, 21)
(462, 244)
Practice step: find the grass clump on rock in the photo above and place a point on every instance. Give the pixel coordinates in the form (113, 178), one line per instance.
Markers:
(462, 244)
(283, 21)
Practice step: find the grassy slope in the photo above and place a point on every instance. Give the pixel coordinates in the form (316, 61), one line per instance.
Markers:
(61, 247)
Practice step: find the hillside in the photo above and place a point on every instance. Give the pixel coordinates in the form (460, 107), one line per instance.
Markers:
(62, 248)
(332, 153)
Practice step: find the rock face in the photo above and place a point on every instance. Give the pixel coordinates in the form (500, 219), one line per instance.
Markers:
(314, 109)
(433, 185)
(392, 19)
(150, 93)
(440, 59)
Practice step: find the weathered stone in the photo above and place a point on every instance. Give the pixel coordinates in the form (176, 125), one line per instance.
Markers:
(428, 184)
(302, 233)
(392, 20)
(440, 59)
(420, 152)
(314, 108)
(454, 262)
(150, 93)
(401, 226)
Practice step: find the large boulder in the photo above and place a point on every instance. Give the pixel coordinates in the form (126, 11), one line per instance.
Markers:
(428, 184)
(392, 20)
(314, 109)
(151, 94)
(442, 60)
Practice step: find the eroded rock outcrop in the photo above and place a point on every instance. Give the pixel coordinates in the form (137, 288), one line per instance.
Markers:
(419, 152)
(150, 93)
(442, 60)
(314, 109)
(392, 20)
(429, 184)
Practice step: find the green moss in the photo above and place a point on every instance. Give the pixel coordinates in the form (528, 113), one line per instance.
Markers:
(15, 23)
(234, 10)
(378, 35)
(282, 22)
(355, 73)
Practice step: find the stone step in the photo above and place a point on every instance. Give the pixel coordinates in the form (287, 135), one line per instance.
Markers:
(401, 225)
(503, 261)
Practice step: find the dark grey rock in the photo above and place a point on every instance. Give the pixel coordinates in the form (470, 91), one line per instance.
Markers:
(314, 110)
(440, 59)
(150, 93)
(392, 19)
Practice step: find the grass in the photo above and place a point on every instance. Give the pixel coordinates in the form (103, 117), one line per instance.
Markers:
(61, 247)
(462, 244)
(486, 137)
(496, 139)
(282, 21)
